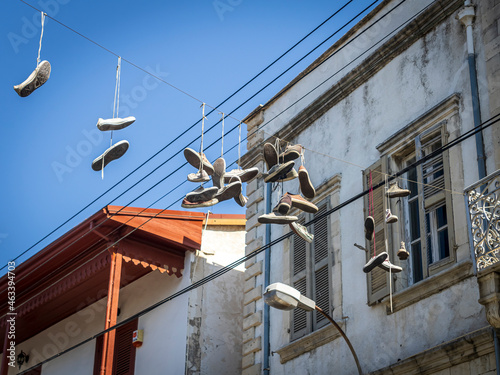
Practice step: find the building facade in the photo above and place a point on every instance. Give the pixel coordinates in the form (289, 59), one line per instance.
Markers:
(386, 100)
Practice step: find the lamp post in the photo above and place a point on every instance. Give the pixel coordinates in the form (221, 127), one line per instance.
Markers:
(284, 297)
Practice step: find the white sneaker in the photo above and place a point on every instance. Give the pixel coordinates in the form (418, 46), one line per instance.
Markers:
(114, 123)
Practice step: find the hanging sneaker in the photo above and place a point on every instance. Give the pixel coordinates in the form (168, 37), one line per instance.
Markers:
(245, 175)
(114, 152)
(403, 254)
(219, 172)
(292, 175)
(301, 231)
(201, 194)
(229, 191)
(36, 79)
(114, 123)
(306, 186)
(272, 218)
(194, 158)
(395, 191)
(278, 172)
(369, 228)
(375, 261)
(390, 218)
(284, 205)
(198, 204)
(270, 156)
(387, 266)
(302, 204)
(290, 153)
(198, 176)
(240, 198)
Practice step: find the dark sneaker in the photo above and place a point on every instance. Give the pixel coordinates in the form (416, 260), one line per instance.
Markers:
(278, 172)
(229, 191)
(194, 158)
(202, 194)
(198, 176)
(375, 261)
(395, 191)
(245, 175)
(292, 175)
(369, 228)
(290, 153)
(270, 155)
(114, 123)
(301, 231)
(306, 186)
(219, 172)
(302, 204)
(36, 79)
(114, 152)
(403, 254)
(272, 218)
(389, 267)
(284, 205)
(208, 203)
(390, 218)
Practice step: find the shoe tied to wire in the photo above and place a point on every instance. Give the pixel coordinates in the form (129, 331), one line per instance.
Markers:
(114, 152)
(395, 191)
(302, 204)
(375, 261)
(36, 79)
(389, 217)
(306, 186)
(270, 156)
(403, 254)
(198, 204)
(240, 198)
(272, 218)
(369, 228)
(245, 175)
(114, 123)
(201, 194)
(195, 158)
(231, 190)
(219, 172)
(284, 205)
(200, 176)
(279, 171)
(301, 231)
(291, 152)
(387, 266)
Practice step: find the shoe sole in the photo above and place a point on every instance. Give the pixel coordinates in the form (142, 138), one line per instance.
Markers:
(241, 200)
(277, 219)
(219, 171)
(389, 267)
(246, 175)
(300, 234)
(208, 203)
(270, 155)
(289, 155)
(283, 208)
(114, 152)
(40, 77)
(306, 186)
(375, 261)
(279, 173)
(194, 159)
(397, 194)
(304, 206)
(205, 195)
(391, 220)
(112, 124)
(229, 191)
(369, 228)
(403, 255)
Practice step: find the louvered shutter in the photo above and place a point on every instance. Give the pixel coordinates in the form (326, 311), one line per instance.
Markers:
(321, 293)
(377, 279)
(300, 318)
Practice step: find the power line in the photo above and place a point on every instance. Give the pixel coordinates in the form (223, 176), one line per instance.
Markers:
(192, 126)
(236, 263)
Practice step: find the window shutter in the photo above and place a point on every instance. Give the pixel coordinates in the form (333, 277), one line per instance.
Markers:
(321, 280)
(299, 261)
(377, 279)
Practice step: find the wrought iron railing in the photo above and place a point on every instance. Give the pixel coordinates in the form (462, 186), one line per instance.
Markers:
(483, 207)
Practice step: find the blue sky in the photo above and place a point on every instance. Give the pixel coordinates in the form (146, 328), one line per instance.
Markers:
(205, 48)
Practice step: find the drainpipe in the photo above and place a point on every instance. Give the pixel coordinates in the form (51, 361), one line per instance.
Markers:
(267, 278)
(466, 16)
(497, 350)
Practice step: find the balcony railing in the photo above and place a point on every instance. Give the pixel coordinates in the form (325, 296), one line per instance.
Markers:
(483, 206)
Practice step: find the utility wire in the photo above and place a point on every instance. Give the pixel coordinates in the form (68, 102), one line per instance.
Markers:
(192, 126)
(213, 143)
(236, 263)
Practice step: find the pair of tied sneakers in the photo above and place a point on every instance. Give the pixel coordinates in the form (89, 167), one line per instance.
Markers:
(288, 201)
(36, 79)
(117, 150)
(280, 167)
(199, 161)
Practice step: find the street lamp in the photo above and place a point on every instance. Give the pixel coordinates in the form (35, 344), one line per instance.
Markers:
(284, 297)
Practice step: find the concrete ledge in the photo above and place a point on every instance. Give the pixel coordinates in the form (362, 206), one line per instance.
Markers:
(463, 349)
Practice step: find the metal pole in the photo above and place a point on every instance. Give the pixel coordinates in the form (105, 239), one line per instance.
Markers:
(344, 336)
(267, 278)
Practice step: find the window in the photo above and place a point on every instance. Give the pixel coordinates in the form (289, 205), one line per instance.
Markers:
(124, 356)
(310, 265)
